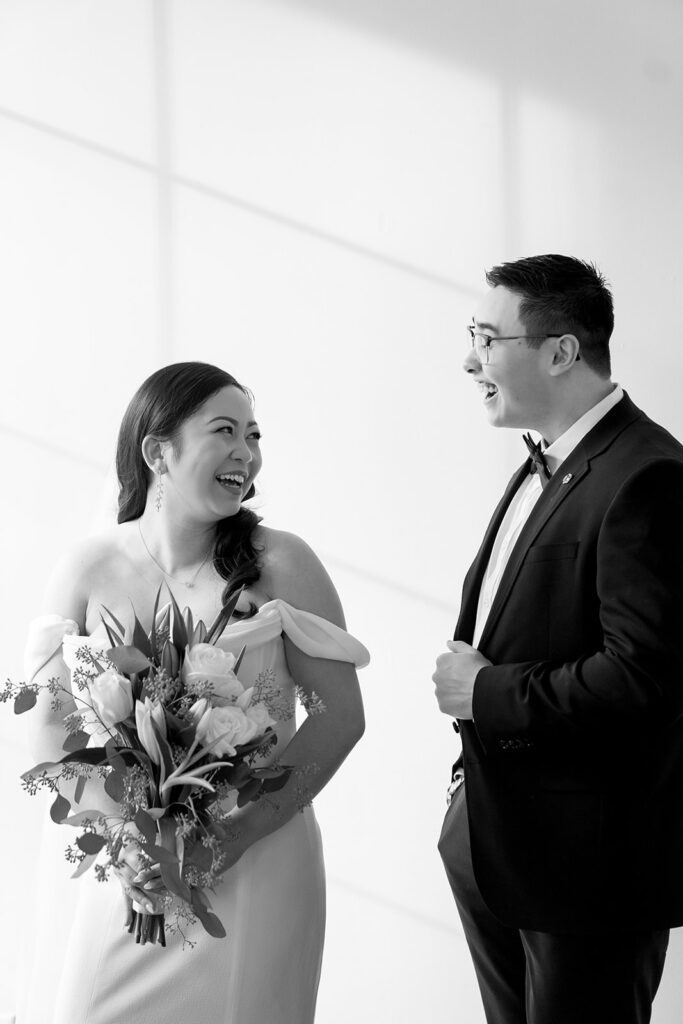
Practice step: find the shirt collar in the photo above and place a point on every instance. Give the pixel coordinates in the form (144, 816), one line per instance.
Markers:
(564, 445)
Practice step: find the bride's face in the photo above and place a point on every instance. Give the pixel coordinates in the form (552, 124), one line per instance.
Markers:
(216, 459)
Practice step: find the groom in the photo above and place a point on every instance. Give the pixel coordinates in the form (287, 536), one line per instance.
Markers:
(564, 845)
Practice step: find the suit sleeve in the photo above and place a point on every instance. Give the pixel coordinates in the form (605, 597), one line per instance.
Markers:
(634, 681)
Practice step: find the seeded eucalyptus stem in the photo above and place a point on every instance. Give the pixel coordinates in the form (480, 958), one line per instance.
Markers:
(147, 927)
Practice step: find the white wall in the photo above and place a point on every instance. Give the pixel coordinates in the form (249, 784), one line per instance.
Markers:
(307, 193)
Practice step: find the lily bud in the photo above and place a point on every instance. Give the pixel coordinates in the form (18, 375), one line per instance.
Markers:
(170, 659)
(145, 714)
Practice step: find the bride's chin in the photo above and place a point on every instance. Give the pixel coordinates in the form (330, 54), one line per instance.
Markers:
(226, 509)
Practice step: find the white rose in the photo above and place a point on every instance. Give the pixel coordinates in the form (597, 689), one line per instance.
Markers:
(111, 696)
(244, 700)
(258, 714)
(230, 723)
(205, 663)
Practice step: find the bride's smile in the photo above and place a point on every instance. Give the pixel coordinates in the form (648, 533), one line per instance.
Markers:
(211, 464)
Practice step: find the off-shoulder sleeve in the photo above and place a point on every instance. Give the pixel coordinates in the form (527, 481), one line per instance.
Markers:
(44, 641)
(318, 637)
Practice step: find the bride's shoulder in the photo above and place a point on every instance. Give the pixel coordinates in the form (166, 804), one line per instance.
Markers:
(291, 571)
(72, 577)
(89, 553)
(280, 549)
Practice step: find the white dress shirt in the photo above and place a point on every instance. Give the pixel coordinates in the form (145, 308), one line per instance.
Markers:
(525, 498)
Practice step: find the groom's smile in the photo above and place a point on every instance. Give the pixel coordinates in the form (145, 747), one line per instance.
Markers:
(508, 371)
(487, 389)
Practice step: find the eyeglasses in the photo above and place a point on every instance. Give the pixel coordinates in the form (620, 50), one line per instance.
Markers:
(481, 343)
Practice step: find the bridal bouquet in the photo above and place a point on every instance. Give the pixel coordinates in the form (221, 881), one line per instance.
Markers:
(168, 727)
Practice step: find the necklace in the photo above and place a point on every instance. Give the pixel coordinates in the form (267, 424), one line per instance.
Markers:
(187, 583)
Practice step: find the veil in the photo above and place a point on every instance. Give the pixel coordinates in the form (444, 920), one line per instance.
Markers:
(106, 504)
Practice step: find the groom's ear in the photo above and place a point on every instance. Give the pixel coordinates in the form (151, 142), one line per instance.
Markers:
(565, 352)
(153, 449)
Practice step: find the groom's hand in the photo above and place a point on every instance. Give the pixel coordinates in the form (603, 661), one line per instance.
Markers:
(454, 677)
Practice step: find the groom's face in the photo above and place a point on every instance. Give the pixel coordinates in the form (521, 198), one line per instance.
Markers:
(514, 383)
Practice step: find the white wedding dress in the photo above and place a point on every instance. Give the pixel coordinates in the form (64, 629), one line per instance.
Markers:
(84, 968)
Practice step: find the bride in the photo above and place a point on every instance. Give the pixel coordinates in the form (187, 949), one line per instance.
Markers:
(187, 458)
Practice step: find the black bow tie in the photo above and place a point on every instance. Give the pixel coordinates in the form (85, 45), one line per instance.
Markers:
(538, 463)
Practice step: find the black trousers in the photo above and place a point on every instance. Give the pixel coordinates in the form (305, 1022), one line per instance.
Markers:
(528, 977)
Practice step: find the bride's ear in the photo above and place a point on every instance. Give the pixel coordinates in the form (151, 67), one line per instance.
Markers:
(153, 453)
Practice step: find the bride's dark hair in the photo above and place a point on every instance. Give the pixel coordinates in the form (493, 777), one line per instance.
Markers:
(159, 407)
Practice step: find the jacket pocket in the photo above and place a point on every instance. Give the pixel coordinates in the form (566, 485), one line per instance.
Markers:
(552, 552)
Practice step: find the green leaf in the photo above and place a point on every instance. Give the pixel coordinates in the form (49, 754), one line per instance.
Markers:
(114, 756)
(236, 666)
(52, 769)
(221, 775)
(114, 638)
(272, 771)
(248, 792)
(146, 825)
(170, 876)
(75, 741)
(25, 700)
(140, 639)
(211, 923)
(240, 774)
(91, 842)
(180, 729)
(83, 816)
(271, 785)
(158, 854)
(60, 809)
(201, 856)
(164, 748)
(153, 631)
(189, 624)
(167, 831)
(223, 618)
(269, 736)
(179, 632)
(80, 788)
(116, 622)
(114, 786)
(88, 755)
(84, 865)
(129, 659)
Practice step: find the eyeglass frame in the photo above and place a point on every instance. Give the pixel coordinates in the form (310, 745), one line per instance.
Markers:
(512, 337)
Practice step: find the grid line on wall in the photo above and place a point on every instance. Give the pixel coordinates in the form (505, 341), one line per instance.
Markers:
(171, 179)
(427, 920)
(53, 449)
(355, 570)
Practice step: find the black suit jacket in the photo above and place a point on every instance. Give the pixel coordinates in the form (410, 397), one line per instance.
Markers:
(574, 758)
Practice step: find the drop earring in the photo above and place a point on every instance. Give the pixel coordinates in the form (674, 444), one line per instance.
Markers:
(159, 497)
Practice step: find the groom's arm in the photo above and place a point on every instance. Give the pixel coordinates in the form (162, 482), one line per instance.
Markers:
(635, 679)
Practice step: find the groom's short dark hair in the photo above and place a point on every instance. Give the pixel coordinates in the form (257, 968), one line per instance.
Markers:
(561, 293)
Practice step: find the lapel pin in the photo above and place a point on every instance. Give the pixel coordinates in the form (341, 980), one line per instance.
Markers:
(567, 478)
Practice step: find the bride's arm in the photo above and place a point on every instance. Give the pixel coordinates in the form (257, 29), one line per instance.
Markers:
(65, 596)
(293, 573)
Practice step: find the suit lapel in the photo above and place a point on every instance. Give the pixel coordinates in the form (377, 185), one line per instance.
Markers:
(472, 585)
(565, 480)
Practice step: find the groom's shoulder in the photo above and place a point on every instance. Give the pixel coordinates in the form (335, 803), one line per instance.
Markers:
(643, 438)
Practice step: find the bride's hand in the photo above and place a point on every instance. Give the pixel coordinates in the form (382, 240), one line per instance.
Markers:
(141, 883)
